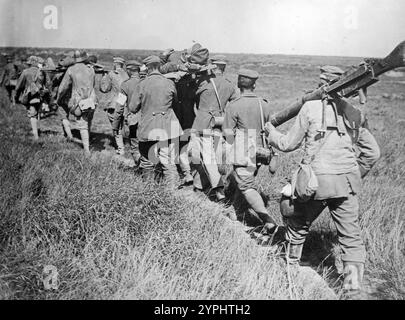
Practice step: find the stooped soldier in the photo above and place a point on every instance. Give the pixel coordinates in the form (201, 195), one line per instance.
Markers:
(31, 91)
(329, 175)
(111, 83)
(213, 93)
(243, 123)
(80, 78)
(122, 113)
(158, 125)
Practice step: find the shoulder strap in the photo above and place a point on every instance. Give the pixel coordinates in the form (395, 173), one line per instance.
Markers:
(262, 122)
(216, 93)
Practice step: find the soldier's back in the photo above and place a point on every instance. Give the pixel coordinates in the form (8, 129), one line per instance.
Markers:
(82, 75)
(246, 109)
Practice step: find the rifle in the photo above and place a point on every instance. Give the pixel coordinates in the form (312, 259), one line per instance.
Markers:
(353, 82)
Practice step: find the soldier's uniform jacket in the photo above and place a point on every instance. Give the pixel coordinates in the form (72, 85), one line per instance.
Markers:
(111, 83)
(207, 103)
(10, 74)
(81, 79)
(336, 165)
(28, 85)
(154, 97)
(243, 122)
(121, 110)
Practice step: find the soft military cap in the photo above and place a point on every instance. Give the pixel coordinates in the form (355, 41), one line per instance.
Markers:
(133, 65)
(218, 59)
(92, 59)
(247, 73)
(118, 60)
(330, 73)
(151, 59)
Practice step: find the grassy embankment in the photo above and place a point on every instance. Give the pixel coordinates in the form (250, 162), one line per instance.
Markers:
(111, 235)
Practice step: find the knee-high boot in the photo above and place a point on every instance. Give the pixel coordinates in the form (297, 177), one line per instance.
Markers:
(353, 276)
(66, 129)
(34, 126)
(84, 133)
(119, 140)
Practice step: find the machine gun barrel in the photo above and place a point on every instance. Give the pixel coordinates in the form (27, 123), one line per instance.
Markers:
(349, 84)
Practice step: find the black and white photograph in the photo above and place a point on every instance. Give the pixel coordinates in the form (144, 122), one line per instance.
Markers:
(202, 155)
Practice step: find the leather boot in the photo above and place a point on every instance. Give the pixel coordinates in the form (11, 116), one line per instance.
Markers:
(294, 253)
(66, 129)
(34, 126)
(119, 140)
(84, 134)
(255, 201)
(219, 194)
(353, 277)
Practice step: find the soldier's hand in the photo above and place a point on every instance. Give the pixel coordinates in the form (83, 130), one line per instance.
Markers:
(268, 127)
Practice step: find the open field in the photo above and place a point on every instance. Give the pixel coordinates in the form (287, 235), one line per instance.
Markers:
(112, 235)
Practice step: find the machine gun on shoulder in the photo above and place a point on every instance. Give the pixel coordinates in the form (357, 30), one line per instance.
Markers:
(351, 83)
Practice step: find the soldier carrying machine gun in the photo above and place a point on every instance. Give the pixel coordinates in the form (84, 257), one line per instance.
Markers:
(329, 175)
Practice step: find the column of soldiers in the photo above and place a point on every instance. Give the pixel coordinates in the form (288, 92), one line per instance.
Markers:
(178, 112)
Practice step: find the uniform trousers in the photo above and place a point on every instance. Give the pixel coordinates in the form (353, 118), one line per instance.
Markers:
(345, 214)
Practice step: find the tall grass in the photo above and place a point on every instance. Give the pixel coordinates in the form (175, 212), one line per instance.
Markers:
(112, 235)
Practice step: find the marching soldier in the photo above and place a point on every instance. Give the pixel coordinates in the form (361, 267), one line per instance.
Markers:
(121, 110)
(31, 89)
(213, 93)
(173, 61)
(329, 129)
(80, 77)
(111, 83)
(9, 77)
(158, 125)
(244, 119)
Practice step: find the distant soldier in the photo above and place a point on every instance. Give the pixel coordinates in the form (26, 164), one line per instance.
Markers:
(243, 123)
(78, 87)
(329, 129)
(213, 93)
(122, 113)
(111, 83)
(31, 90)
(158, 125)
(9, 77)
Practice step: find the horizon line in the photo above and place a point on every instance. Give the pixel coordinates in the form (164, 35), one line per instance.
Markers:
(216, 52)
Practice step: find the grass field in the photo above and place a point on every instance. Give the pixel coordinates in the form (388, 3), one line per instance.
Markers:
(111, 235)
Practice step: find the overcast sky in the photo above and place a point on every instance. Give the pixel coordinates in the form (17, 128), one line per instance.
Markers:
(369, 28)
